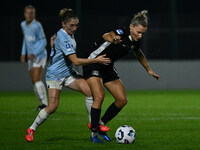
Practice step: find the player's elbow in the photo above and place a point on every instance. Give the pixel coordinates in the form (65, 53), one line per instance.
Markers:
(107, 37)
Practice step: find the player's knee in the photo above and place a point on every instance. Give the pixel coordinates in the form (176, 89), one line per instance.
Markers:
(98, 100)
(34, 80)
(99, 97)
(87, 92)
(122, 102)
(125, 102)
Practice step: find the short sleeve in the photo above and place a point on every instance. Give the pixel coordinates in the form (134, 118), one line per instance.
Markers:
(66, 47)
(122, 32)
(119, 31)
(40, 31)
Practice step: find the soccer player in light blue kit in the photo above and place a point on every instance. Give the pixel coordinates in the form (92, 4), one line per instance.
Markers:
(60, 71)
(34, 43)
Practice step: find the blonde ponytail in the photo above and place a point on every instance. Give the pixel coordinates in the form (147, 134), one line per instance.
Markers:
(140, 19)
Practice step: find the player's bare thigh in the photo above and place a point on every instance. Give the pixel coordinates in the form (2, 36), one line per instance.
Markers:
(81, 85)
(96, 86)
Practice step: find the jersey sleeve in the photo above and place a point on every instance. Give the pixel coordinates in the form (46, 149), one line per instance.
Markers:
(66, 47)
(23, 47)
(41, 42)
(24, 43)
(119, 31)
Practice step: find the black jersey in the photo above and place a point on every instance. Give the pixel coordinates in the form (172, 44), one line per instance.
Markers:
(115, 51)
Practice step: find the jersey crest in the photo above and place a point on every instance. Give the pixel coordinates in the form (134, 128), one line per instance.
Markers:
(68, 47)
(119, 31)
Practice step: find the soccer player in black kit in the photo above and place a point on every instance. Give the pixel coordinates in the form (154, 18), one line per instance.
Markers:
(115, 44)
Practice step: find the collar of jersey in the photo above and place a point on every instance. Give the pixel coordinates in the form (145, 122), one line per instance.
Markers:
(130, 37)
(31, 22)
(67, 33)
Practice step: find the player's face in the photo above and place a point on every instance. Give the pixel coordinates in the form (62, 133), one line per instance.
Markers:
(71, 26)
(137, 32)
(29, 14)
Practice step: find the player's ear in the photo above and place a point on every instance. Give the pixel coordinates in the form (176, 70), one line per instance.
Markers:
(63, 23)
(130, 26)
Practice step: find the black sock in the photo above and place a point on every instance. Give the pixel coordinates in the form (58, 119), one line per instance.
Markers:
(95, 115)
(110, 113)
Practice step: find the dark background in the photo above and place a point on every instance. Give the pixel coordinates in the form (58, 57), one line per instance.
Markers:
(173, 32)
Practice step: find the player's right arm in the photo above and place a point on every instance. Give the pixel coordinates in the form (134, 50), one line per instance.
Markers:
(23, 53)
(22, 58)
(112, 37)
(81, 61)
(69, 51)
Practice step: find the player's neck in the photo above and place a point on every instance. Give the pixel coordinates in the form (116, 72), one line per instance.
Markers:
(71, 35)
(28, 22)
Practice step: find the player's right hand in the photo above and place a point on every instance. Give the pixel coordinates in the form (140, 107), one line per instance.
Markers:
(117, 39)
(22, 58)
(102, 59)
(32, 56)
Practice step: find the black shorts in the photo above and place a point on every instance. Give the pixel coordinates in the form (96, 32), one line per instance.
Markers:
(107, 73)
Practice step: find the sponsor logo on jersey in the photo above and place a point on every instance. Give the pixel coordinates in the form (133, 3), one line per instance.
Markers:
(30, 38)
(68, 47)
(119, 31)
(95, 73)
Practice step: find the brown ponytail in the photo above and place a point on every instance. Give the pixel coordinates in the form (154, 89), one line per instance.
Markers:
(67, 14)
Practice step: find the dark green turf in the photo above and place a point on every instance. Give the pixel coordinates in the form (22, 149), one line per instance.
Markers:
(163, 120)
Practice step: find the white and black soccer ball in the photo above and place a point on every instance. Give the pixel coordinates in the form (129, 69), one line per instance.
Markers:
(125, 134)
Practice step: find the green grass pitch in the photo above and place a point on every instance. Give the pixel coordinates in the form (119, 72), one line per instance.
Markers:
(163, 120)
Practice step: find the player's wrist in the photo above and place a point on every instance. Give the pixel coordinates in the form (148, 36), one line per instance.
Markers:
(96, 60)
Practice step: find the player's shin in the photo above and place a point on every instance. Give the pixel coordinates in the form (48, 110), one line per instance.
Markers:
(41, 117)
(110, 113)
(95, 115)
(88, 105)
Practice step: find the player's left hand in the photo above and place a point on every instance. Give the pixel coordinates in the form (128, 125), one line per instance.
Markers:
(32, 56)
(52, 40)
(154, 74)
(102, 59)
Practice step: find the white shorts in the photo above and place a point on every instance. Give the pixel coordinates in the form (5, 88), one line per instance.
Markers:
(36, 63)
(58, 84)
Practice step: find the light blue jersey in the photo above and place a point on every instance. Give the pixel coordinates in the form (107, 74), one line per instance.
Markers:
(34, 41)
(60, 65)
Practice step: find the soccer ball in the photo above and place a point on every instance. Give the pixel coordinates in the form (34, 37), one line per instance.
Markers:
(125, 134)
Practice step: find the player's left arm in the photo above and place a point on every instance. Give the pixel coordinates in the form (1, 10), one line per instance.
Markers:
(52, 40)
(41, 43)
(142, 59)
